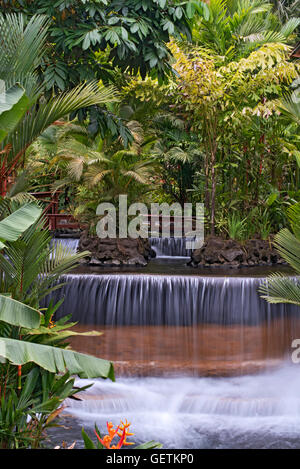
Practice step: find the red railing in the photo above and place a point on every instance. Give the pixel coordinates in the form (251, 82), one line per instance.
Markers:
(55, 220)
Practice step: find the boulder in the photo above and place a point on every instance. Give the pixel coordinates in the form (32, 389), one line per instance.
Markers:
(218, 251)
(117, 251)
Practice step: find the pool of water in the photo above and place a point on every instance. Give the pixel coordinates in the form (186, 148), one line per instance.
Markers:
(251, 411)
(222, 379)
(178, 266)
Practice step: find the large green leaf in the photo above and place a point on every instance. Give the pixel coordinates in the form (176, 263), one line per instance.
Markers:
(13, 105)
(19, 221)
(54, 359)
(18, 314)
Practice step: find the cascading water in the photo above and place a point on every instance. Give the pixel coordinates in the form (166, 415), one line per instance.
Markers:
(261, 411)
(201, 360)
(170, 247)
(169, 300)
(70, 243)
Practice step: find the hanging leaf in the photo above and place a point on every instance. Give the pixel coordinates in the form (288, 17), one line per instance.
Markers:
(54, 359)
(19, 221)
(18, 314)
(13, 105)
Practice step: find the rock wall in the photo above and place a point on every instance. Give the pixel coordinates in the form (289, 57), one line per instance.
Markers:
(217, 251)
(127, 251)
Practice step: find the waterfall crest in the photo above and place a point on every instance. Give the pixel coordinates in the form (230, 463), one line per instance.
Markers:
(138, 299)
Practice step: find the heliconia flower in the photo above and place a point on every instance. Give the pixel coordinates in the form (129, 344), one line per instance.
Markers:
(51, 323)
(124, 429)
(121, 431)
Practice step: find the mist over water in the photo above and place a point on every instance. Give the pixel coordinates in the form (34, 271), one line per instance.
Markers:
(252, 411)
(201, 360)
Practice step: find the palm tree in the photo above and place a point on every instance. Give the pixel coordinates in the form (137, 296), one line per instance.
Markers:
(95, 162)
(22, 47)
(119, 171)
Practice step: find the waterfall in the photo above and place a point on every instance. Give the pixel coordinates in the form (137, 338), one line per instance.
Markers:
(174, 247)
(170, 300)
(164, 247)
(70, 243)
(185, 349)
(261, 411)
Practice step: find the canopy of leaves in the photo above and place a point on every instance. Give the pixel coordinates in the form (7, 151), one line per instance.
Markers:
(134, 33)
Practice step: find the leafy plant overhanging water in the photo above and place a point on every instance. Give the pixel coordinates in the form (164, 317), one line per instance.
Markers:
(164, 101)
(280, 288)
(36, 366)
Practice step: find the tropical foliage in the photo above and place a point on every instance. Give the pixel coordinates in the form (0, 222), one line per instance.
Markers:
(23, 47)
(280, 288)
(162, 100)
(218, 131)
(90, 38)
(35, 365)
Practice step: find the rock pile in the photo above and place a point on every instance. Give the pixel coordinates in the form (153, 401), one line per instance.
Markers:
(217, 251)
(127, 251)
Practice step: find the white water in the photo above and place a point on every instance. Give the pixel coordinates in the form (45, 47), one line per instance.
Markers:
(171, 247)
(254, 411)
(69, 243)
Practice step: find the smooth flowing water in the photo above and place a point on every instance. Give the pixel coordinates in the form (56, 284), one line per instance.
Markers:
(126, 299)
(260, 411)
(163, 247)
(201, 360)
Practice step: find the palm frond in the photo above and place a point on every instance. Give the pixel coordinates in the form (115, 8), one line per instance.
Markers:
(95, 174)
(137, 176)
(293, 213)
(38, 119)
(280, 289)
(290, 108)
(22, 47)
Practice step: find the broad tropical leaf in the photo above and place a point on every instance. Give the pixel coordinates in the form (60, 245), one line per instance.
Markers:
(13, 226)
(55, 360)
(13, 105)
(18, 314)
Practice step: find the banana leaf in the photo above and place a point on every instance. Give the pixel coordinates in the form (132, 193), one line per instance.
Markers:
(54, 359)
(18, 314)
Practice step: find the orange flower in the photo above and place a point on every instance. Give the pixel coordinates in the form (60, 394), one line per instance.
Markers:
(121, 431)
(51, 323)
(124, 429)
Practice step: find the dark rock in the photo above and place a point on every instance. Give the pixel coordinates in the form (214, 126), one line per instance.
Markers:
(217, 251)
(118, 251)
(233, 254)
